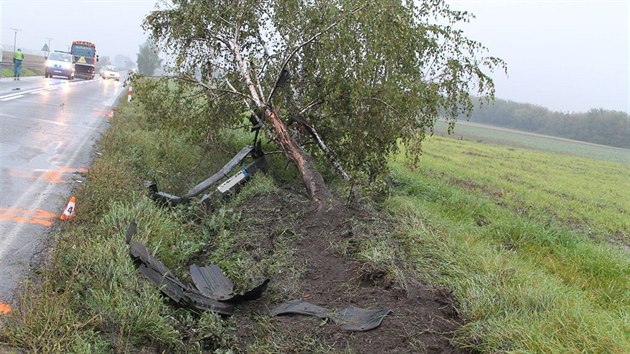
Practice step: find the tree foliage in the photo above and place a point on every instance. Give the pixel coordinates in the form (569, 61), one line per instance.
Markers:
(148, 59)
(362, 76)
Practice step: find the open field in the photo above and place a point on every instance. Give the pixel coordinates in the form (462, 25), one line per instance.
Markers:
(534, 244)
(505, 136)
(33, 64)
(586, 195)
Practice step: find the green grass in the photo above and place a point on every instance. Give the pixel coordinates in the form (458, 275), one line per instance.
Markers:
(534, 245)
(503, 136)
(512, 232)
(586, 195)
(6, 72)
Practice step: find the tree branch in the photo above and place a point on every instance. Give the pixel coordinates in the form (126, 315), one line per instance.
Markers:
(233, 91)
(295, 50)
(320, 142)
(244, 72)
(385, 103)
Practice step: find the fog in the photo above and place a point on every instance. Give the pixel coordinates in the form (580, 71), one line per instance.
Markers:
(564, 55)
(114, 25)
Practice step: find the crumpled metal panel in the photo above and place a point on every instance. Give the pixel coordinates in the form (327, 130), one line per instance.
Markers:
(351, 318)
(211, 282)
(212, 285)
(357, 319)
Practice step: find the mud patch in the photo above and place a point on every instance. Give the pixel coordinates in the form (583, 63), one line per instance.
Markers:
(324, 268)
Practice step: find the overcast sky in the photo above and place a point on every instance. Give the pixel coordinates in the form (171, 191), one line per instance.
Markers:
(564, 55)
(114, 25)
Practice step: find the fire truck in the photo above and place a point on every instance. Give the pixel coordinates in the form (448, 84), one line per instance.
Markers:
(85, 58)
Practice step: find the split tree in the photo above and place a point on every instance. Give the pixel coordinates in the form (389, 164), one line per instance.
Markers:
(359, 79)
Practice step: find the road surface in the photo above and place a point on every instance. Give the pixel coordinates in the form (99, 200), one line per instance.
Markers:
(48, 128)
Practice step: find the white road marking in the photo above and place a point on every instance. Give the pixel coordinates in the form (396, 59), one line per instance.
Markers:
(53, 86)
(10, 98)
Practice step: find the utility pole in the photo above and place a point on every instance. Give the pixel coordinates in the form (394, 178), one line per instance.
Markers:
(16, 30)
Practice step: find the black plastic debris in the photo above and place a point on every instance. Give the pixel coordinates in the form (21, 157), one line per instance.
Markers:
(351, 318)
(300, 307)
(212, 283)
(357, 319)
(158, 274)
(213, 292)
(231, 184)
(131, 230)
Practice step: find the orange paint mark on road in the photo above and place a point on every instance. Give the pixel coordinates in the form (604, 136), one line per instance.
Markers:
(36, 217)
(4, 308)
(51, 176)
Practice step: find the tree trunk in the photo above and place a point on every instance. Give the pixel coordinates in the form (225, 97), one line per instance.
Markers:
(313, 181)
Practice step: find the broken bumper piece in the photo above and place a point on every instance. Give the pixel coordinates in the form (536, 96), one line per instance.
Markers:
(215, 295)
(350, 319)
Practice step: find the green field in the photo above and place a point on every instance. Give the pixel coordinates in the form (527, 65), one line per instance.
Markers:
(504, 136)
(535, 244)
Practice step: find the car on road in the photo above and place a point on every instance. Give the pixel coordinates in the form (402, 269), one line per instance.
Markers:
(59, 64)
(110, 72)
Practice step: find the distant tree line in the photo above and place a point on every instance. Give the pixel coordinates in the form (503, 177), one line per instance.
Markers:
(598, 126)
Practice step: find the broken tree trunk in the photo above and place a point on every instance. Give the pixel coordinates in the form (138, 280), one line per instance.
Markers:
(313, 181)
(315, 185)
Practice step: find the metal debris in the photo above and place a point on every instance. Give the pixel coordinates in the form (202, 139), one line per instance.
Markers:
(237, 159)
(213, 292)
(350, 319)
(229, 185)
(233, 184)
(212, 283)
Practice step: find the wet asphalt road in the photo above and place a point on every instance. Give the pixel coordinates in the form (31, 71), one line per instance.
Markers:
(48, 129)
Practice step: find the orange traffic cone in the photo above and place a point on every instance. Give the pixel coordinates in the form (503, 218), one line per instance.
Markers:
(68, 212)
(4, 308)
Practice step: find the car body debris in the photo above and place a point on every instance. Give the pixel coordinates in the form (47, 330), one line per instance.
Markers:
(351, 318)
(213, 291)
(212, 283)
(231, 184)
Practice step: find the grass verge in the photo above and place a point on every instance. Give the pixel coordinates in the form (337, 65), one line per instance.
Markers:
(526, 281)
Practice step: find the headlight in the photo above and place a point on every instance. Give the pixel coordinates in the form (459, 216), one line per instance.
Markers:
(48, 64)
(67, 65)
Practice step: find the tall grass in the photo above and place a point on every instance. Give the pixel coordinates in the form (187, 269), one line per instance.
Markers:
(526, 278)
(90, 298)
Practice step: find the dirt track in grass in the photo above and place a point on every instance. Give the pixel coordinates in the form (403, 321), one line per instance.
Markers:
(331, 274)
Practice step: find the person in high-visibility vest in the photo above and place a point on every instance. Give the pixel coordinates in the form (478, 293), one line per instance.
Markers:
(18, 58)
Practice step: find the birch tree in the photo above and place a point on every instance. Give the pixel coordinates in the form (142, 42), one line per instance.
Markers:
(345, 81)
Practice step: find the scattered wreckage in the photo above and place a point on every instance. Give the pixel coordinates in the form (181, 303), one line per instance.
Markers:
(229, 186)
(224, 189)
(211, 289)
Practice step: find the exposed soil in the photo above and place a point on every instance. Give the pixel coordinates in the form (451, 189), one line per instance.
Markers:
(423, 319)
